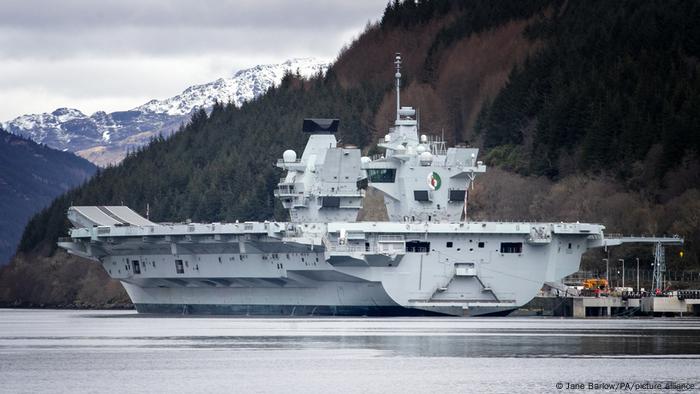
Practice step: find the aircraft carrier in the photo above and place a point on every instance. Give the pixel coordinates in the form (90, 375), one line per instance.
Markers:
(428, 258)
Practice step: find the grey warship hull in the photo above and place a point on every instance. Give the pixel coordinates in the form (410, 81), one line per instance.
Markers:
(362, 268)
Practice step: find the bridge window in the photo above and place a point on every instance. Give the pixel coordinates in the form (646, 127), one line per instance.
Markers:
(381, 175)
(511, 247)
(178, 267)
(418, 247)
(137, 267)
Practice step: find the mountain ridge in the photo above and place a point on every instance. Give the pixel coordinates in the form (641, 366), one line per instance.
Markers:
(105, 138)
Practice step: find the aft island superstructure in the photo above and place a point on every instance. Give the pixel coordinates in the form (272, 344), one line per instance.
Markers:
(428, 258)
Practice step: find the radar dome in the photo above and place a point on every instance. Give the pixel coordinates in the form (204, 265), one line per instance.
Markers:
(426, 158)
(365, 160)
(420, 149)
(424, 138)
(289, 156)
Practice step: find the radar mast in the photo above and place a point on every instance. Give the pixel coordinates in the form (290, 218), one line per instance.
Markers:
(397, 62)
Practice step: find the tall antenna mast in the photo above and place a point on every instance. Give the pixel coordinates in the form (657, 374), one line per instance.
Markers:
(397, 62)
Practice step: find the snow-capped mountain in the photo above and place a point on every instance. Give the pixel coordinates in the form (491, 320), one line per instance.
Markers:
(105, 138)
(243, 86)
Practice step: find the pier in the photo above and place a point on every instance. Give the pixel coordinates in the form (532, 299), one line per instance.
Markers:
(680, 303)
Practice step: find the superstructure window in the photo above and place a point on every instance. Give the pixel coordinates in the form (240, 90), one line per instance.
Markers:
(421, 195)
(137, 266)
(457, 195)
(418, 247)
(381, 175)
(178, 267)
(511, 247)
(330, 202)
(449, 244)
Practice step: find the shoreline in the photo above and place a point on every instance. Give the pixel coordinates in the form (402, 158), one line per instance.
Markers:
(74, 307)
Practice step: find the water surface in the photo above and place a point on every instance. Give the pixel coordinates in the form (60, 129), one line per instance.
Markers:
(108, 351)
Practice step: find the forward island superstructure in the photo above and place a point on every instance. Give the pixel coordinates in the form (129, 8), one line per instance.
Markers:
(428, 258)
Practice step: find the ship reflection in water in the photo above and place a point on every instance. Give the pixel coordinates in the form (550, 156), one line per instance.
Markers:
(77, 351)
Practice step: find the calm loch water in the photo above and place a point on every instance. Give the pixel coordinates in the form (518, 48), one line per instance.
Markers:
(108, 351)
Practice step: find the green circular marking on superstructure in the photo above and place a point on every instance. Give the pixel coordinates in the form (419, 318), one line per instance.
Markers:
(434, 181)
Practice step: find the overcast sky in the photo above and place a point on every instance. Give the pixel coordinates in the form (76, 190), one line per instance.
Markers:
(117, 54)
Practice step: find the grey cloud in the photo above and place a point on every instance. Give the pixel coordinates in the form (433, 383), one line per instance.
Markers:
(58, 29)
(88, 14)
(157, 41)
(102, 54)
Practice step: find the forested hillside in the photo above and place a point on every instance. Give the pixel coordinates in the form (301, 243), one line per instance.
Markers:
(31, 175)
(613, 81)
(590, 109)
